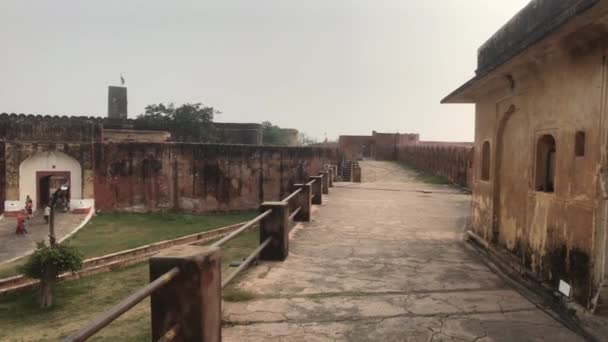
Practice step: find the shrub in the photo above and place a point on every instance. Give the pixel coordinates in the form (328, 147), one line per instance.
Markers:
(48, 262)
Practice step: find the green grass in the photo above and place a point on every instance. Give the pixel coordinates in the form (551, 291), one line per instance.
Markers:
(79, 301)
(109, 233)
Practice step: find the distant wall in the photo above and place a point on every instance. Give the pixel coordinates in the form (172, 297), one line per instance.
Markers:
(23, 128)
(356, 146)
(199, 177)
(453, 161)
(131, 135)
(379, 146)
(238, 133)
(386, 144)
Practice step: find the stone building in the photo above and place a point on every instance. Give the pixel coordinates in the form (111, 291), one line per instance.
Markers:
(540, 183)
(116, 165)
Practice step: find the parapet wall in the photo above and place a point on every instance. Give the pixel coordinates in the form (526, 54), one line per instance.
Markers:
(58, 129)
(199, 177)
(453, 161)
(22, 127)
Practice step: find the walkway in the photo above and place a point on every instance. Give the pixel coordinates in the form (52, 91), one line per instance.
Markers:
(12, 245)
(384, 261)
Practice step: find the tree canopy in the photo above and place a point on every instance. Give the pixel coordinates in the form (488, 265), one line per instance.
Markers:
(188, 122)
(275, 135)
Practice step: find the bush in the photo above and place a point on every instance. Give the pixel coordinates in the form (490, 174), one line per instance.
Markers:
(48, 262)
(59, 257)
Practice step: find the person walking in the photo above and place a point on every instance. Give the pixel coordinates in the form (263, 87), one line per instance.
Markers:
(21, 224)
(47, 213)
(29, 204)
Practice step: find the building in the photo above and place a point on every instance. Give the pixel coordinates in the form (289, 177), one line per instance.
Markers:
(379, 146)
(540, 180)
(113, 165)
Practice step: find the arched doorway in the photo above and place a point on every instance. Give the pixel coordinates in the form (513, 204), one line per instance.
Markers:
(44, 172)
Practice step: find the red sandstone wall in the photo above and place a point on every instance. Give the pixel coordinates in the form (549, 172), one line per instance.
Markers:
(356, 146)
(199, 177)
(453, 161)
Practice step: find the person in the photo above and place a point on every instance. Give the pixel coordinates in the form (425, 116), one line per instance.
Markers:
(21, 224)
(29, 206)
(47, 213)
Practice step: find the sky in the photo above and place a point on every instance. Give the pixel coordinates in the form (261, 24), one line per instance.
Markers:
(324, 67)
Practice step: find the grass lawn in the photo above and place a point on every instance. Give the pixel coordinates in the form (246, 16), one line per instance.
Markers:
(79, 301)
(109, 233)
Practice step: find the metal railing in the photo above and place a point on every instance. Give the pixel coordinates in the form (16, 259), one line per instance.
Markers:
(109, 316)
(112, 314)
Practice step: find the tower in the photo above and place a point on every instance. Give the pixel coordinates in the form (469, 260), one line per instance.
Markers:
(117, 102)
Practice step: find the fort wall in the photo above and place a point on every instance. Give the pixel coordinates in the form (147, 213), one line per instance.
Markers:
(199, 177)
(452, 161)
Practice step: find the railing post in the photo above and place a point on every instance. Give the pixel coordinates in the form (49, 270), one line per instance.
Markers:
(193, 299)
(332, 175)
(275, 225)
(317, 197)
(356, 174)
(303, 201)
(325, 182)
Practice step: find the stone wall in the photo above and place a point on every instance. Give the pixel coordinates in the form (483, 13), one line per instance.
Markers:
(238, 133)
(379, 146)
(65, 129)
(356, 146)
(199, 177)
(452, 161)
(22, 127)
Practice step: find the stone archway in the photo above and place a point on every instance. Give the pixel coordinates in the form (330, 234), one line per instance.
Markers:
(34, 170)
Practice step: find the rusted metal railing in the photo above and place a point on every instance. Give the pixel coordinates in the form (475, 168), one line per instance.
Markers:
(292, 195)
(295, 212)
(246, 262)
(273, 222)
(246, 226)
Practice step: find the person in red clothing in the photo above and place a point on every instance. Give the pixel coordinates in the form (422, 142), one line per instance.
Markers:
(21, 224)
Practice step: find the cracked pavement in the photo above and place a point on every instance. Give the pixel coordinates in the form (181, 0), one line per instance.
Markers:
(384, 260)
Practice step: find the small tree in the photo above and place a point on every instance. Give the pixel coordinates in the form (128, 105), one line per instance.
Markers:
(47, 263)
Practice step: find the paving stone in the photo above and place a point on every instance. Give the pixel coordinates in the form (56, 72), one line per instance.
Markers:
(13, 245)
(384, 260)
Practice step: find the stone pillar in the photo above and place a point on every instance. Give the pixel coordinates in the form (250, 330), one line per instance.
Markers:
(357, 174)
(332, 174)
(325, 182)
(193, 299)
(317, 197)
(303, 200)
(275, 225)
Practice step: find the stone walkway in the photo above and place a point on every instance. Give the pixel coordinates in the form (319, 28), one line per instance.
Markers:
(12, 245)
(385, 261)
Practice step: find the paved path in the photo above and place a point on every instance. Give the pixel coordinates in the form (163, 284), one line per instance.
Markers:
(384, 261)
(12, 245)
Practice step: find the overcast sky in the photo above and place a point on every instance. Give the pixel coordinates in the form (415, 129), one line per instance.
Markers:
(321, 66)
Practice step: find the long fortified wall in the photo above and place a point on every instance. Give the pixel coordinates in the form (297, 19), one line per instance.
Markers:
(145, 176)
(199, 177)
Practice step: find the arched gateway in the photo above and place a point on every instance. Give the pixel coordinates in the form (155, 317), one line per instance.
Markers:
(41, 174)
